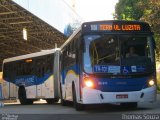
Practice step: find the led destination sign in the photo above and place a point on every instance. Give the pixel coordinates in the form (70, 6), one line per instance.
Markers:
(116, 27)
(119, 27)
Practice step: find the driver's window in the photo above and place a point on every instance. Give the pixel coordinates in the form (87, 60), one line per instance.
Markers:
(134, 46)
(104, 50)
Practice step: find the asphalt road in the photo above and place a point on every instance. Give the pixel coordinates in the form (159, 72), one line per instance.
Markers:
(41, 110)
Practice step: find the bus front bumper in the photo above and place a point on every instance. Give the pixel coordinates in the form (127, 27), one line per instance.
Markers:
(92, 96)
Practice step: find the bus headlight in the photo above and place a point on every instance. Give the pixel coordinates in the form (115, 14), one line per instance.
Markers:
(151, 82)
(88, 82)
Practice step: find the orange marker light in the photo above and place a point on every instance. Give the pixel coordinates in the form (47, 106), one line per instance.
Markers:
(29, 60)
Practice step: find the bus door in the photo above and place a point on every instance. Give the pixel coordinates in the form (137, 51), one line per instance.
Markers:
(79, 51)
(48, 84)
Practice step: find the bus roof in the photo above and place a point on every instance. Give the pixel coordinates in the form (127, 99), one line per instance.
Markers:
(71, 37)
(45, 52)
(117, 21)
(108, 26)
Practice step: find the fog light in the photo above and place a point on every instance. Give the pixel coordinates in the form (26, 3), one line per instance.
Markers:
(151, 82)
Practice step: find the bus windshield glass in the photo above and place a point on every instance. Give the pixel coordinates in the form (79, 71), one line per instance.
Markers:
(118, 54)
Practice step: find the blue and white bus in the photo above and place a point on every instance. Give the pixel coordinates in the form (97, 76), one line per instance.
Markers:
(31, 77)
(108, 62)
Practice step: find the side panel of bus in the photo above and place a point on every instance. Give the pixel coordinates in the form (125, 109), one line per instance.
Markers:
(5, 87)
(31, 92)
(47, 88)
(9, 89)
(13, 91)
(70, 69)
(45, 77)
(36, 76)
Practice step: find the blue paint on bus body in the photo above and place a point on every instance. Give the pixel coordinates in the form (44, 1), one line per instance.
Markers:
(29, 80)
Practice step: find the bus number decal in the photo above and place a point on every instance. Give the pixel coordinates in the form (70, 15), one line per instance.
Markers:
(100, 68)
(106, 69)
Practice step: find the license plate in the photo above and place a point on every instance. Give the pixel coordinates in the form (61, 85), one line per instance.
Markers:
(121, 96)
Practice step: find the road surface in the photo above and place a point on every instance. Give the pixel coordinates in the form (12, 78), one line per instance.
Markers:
(41, 107)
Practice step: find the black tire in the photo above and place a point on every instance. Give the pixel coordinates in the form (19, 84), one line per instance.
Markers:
(63, 102)
(76, 105)
(130, 105)
(52, 101)
(22, 97)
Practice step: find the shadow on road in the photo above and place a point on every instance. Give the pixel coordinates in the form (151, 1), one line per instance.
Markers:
(103, 108)
(112, 108)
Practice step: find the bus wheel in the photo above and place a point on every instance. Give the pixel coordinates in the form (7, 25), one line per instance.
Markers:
(76, 105)
(52, 101)
(63, 102)
(22, 97)
(130, 105)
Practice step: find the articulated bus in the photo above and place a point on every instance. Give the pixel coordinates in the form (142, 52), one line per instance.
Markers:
(108, 62)
(31, 77)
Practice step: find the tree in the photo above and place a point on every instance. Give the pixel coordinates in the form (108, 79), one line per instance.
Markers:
(128, 10)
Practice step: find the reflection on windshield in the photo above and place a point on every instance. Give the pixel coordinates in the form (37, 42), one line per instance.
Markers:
(107, 53)
(103, 50)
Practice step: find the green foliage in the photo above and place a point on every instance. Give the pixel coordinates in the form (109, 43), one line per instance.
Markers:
(128, 10)
(158, 75)
(144, 10)
(157, 39)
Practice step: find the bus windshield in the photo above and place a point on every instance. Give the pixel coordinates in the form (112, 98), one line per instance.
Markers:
(112, 53)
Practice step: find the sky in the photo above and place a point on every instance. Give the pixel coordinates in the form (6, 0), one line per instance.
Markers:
(91, 10)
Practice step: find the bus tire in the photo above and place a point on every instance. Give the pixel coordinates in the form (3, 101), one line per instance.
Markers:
(76, 105)
(22, 97)
(63, 102)
(52, 101)
(130, 105)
